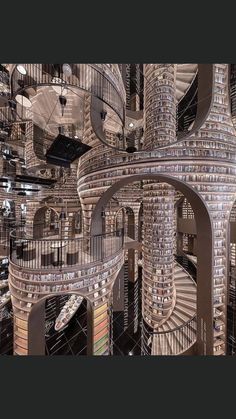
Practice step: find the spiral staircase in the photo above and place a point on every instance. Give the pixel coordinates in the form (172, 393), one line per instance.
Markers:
(178, 333)
(185, 75)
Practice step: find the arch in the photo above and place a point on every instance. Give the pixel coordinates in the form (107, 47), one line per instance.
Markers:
(130, 225)
(117, 221)
(36, 324)
(204, 249)
(39, 222)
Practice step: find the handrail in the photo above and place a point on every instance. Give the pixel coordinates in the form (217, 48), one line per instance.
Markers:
(190, 262)
(169, 342)
(155, 332)
(58, 253)
(87, 77)
(118, 231)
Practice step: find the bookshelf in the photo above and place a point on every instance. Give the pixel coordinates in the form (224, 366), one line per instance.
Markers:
(101, 330)
(158, 247)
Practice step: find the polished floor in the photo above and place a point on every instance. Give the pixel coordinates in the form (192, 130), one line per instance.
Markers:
(126, 335)
(72, 340)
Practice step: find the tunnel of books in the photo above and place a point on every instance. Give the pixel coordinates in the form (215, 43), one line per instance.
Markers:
(118, 209)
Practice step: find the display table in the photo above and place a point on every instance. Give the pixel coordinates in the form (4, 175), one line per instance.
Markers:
(72, 258)
(29, 252)
(20, 246)
(47, 258)
(58, 245)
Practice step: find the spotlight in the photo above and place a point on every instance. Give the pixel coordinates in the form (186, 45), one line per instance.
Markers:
(131, 125)
(66, 68)
(103, 115)
(62, 100)
(21, 69)
(23, 100)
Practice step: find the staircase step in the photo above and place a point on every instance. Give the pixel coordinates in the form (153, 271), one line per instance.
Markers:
(183, 289)
(176, 321)
(186, 311)
(173, 324)
(184, 281)
(187, 297)
(186, 304)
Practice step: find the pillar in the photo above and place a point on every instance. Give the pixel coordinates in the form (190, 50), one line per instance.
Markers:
(158, 258)
(158, 198)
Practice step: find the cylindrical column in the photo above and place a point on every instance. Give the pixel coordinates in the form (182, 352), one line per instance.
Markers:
(160, 105)
(158, 198)
(158, 260)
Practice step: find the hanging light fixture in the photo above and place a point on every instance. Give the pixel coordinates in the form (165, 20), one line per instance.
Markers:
(21, 69)
(23, 100)
(103, 115)
(58, 84)
(62, 100)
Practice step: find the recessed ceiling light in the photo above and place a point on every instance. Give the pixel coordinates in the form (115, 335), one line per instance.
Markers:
(23, 101)
(21, 69)
(76, 136)
(131, 124)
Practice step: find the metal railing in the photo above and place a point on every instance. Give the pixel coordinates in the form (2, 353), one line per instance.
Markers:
(5, 230)
(92, 78)
(46, 253)
(170, 342)
(188, 265)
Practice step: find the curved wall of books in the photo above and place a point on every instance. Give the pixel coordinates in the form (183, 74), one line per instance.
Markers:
(30, 285)
(204, 162)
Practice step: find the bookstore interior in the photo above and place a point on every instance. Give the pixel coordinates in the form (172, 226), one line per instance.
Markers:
(118, 209)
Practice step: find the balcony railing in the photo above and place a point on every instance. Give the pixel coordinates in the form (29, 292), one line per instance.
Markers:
(54, 254)
(188, 265)
(88, 77)
(170, 342)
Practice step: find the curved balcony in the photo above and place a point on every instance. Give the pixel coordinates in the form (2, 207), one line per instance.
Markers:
(170, 342)
(98, 80)
(60, 254)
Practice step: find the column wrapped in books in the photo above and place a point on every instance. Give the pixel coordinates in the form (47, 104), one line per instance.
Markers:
(158, 198)
(158, 246)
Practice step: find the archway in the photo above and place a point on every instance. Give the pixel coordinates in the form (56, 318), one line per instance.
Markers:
(45, 222)
(204, 250)
(120, 219)
(124, 219)
(36, 324)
